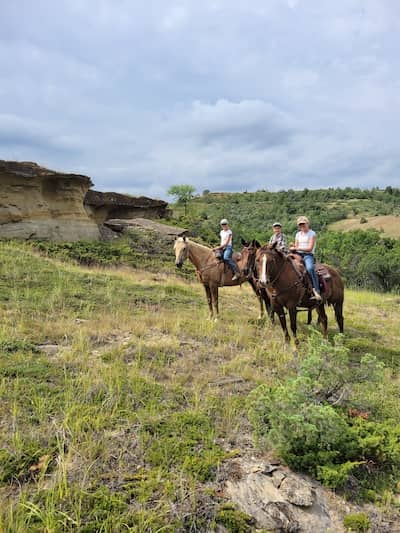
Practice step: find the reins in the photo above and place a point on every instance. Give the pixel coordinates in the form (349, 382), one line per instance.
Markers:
(270, 284)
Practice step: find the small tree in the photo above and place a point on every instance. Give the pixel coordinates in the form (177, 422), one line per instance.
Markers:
(182, 193)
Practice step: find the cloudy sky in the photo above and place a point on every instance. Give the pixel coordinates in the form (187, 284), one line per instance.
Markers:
(226, 95)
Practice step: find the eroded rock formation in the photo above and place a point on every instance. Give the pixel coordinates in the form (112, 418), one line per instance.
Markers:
(38, 203)
(103, 206)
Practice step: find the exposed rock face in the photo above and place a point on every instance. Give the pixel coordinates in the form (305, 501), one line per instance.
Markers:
(280, 500)
(122, 225)
(38, 203)
(103, 206)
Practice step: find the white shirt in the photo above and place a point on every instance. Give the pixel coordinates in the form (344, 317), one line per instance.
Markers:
(224, 233)
(303, 239)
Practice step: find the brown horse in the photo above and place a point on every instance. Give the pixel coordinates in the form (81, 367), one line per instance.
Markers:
(334, 294)
(213, 273)
(284, 283)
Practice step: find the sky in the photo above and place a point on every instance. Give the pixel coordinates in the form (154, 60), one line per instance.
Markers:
(225, 95)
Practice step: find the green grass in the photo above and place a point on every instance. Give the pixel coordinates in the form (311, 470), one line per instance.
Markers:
(127, 423)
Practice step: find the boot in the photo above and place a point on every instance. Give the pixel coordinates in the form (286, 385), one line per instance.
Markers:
(236, 276)
(316, 296)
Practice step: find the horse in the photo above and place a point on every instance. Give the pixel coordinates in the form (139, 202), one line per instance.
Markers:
(213, 273)
(285, 286)
(334, 296)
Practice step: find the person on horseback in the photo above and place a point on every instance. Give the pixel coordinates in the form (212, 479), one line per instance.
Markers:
(304, 245)
(226, 248)
(278, 237)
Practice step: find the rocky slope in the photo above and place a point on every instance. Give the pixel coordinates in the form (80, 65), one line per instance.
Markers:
(103, 206)
(38, 203)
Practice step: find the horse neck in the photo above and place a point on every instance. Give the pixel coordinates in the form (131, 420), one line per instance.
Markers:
(199, 255)
(281, 272)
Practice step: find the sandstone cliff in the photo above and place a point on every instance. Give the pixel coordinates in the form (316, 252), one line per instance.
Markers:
(38, 203)
(103, 206)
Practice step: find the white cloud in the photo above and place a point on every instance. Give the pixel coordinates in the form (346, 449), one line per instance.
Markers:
(219, 94)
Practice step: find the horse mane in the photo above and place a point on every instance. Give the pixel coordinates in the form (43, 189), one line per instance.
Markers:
(182, 239)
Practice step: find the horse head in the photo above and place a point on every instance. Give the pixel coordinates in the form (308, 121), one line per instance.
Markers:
(248, 255)
(268, 263)
(181, 248)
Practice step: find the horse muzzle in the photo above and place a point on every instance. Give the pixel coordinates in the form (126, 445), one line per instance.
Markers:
(179, 265)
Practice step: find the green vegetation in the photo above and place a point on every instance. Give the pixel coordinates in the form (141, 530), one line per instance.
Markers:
(182, 193)
(368, 259)
(365, 258)
(358, 522)
(333, 420)
(121, 402)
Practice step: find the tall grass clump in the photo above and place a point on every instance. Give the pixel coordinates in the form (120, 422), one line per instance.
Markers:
(334, 420)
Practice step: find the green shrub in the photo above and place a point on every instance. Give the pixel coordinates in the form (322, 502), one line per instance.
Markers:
(317, 423)
(233, 520)
(359, 522)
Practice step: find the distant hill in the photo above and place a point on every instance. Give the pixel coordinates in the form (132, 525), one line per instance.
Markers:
(387, 224)
(252, 213)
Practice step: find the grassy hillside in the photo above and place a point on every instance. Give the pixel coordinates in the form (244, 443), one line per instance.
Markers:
(387, 224)
(121, 402)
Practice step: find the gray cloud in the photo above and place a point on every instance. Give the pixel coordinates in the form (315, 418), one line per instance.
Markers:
(277, 94)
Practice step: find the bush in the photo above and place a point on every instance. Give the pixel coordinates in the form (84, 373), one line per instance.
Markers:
(357, 522)
(319, 421)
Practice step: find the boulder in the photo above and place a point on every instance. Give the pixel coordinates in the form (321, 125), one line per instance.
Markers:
(102, 206)
(38, 203)
(122, 225)
(279, 500)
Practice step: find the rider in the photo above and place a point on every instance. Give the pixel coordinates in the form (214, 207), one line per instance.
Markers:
(226, 247)
(278, 237)
(305, 246)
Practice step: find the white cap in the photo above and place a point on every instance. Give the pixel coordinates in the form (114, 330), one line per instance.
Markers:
(224, 221)
(276, 224)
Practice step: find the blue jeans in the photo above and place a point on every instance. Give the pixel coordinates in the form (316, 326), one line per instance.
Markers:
(228, 251)
(309, 262)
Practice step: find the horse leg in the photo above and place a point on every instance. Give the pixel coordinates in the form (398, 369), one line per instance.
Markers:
(309, 317)
(209, 300)
(293, 323)
(268, 305)
(214, 295)
(338, 307)
(282, 320)
(260, 299)
(323, 319)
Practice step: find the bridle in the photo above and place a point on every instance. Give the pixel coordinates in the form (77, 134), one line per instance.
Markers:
(270, 283)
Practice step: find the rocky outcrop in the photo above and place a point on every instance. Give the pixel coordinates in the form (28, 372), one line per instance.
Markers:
(122, 226)
(38, 203)
(103, 206)
(279, 500)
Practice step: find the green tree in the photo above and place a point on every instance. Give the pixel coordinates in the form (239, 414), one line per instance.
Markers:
(182, 193)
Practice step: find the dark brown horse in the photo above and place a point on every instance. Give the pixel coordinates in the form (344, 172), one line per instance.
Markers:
(213, 273)
(285, 284)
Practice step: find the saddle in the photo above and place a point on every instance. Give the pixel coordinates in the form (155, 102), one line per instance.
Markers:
(322, 272)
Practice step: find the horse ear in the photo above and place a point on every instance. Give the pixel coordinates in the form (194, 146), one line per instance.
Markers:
(244, 243)
(273, 245)
(184, 238)
(256, 243)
